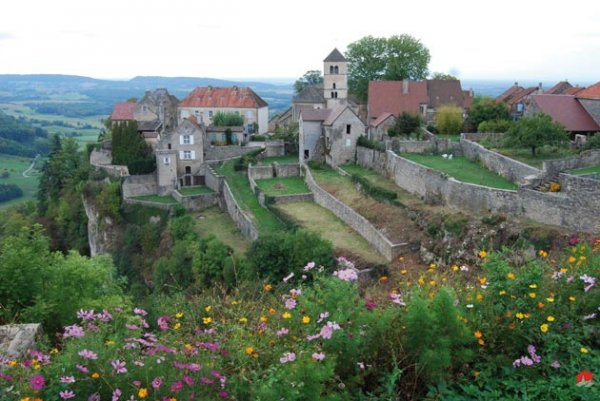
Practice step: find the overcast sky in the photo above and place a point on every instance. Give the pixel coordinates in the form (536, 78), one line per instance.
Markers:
(472, 39)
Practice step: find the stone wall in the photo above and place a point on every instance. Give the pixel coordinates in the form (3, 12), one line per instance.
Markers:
(587, 158)
(140, 185)
(508, 168)
(212, 180)
(274, 148)
(286, 170)
(102, 160)
(241, 219)
(373, 159)
(479, 136)
(196, 202)
(214, 153)
(260, 172)
(158, 205)
(354, 220)
(292, 198)
(273, 170)
(17, 339)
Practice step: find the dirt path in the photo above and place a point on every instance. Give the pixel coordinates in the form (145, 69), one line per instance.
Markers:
(31, 166)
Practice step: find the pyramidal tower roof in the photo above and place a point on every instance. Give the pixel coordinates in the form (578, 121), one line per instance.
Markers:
(335, 56)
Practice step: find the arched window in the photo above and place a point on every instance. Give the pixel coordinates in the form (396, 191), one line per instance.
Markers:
(334, 86)
(336, 70)
(331, 69)
(332, 95)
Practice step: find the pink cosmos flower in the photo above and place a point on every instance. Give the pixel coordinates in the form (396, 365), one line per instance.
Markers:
(86, 314)
(290, 303)
(177, 386)
(87, 354)
(346, 274)
(318, 356)
(65, 395)
(73, 331)
(163, 322)
(37, 382)
(116, 394)
(131, 326)
(282, 332)
(309, 266)
(140, 311)
(206, 380)
(223, 394)
(156, 383)
(288, 357)
(82, 368)
(67, 379)
(555, 365)
(119, 366)
(189, 380)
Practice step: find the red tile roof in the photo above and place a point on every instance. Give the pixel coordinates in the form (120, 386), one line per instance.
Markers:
(573, 91)
(591, 92)
(122, 111)
(566, 110)
(510, 92)
(559, 88)
(520, 95)
(388, 96)
(379, 120)
(234, 97)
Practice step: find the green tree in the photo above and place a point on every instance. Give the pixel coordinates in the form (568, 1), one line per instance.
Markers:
(536, 131)
(443, 76)
(227, 119)
(593, 142)
(449, 120)
(311, 77)
(395, 58)
(406, 124)
(485, 108)
(130, 149)
(289, 133)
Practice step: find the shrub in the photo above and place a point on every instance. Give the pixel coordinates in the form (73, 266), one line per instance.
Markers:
(258, 138)
(593, 142)
(449, 120)
(377, 193)
(10, 191)
(371, 144)
(494, 126)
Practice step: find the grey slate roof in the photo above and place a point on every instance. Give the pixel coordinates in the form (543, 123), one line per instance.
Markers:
(310, 94)
(334, 57)
(149, 125)
(315, 114)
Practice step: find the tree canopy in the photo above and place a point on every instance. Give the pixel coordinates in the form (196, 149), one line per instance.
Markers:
(129, 148)
(222, 119)
(406, 124)
(394, 58)
(536, 131)
(311, 77)
(443, 76)
(449, 120)
(485, 108)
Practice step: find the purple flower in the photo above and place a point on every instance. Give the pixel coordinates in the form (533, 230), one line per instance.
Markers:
(82, 368)
(177, 386)
(116, 394)
(131, 327)
(163, 322)
(105, 316)
(206, 380)
(94, 397)
(73, 331)
(290, 303)
(309, 266)
(137, 383)
(397, 299)
(140, 311)
(589, 280)
(318, 356)
(119, 366)
(346, 274)
(188, 380)
(67, 379)
(370, 304)
(5, 377)
(65, 395)
(86, 314)
(282, 332)
(555, 365)
(223, 394)
(288, 357)
(156, 383)
(87, 354)
(37, 382)
(328, 329)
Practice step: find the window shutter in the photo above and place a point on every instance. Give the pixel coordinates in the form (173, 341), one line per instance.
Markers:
(191, 139)
(181, 154)
(181, 139)
(193, 155)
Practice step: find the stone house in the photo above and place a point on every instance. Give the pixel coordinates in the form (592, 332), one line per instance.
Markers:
(378, 128)
(329, 135)
(590, 100)
(564, 109)
(204, 102)
(415, 97)
(180, 157)
(516, 98)
(309, 98)
(216, 135)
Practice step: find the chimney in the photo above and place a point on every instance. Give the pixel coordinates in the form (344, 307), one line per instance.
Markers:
(516, 83)
(540, 90)
(405, 87)
(471, 92)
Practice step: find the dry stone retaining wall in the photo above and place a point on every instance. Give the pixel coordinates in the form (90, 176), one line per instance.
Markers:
(140, 185)
(196, 202)
(241, 219)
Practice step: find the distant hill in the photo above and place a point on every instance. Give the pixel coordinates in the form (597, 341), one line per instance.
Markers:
(77, 96)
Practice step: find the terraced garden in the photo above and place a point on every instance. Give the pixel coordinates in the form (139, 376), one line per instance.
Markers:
(218, 223)
(283, 186)
(462, 169)
(586, 170)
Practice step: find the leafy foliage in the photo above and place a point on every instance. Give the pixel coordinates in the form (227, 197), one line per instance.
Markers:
(18, 137)
(449, 120)
(371, 144)
(394, 58)
(593, 142)
(495, 126)
(9, 191)
(443, 76)
(227, 119)
(311, 77)
(406, 124)
(536, 131)
(487, 109)
(130, 149)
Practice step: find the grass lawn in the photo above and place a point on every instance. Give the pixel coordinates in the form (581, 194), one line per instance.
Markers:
(543, 153)
(453, 138)
(156, 198)
(283, 186)
(217, 222)
(187, 191)
(266, 222)
(463, 170)
(287, 159)
(16, 165)
(314, 217)
(585, 170)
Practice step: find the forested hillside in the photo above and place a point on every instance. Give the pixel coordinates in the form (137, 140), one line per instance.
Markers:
(18, 137)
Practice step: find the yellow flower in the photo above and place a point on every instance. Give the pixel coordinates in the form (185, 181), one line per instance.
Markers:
(520, 316)
(482, 280)
(421, 281)
(172, 399)
(401, 258)
(550, 318)
(25, 399)
(432, 283)
(482, 254)
(563, 270)
(541, 305)
(510, 276)
(544, 328)
(432, 265)
(476, 373)
(550, 299)
(572, 298)
(243, 320)
(501, 292)
(95, 375)
(12, 363)
(403, 271)
(264, 319)
(306, 319)
(478, 334)
(268, 287)
(188, 346)
(272, 311)
(455, 268)
(207, 320)
(249, 350)
(177, 326)
(234, 302)
(583, 350)
(207, 309)
(54, 351)
(481, 341)
(383, 279)
(543, 254)
(179, 315)
(572, 259)
(534, 286)
(582, 258)
(110, 343)
(479, 297)
(143, 392)
(286, 315)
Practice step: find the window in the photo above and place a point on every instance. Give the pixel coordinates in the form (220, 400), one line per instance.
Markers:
(332, 95)
(306, 154)
(188, 170)
(335, 95)
(334, 85)
(187, 155)
(167, 161)
(348, 128)
(336, 70)
(186, 139)
(331, 69)
(168, 146)
(210, 113)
